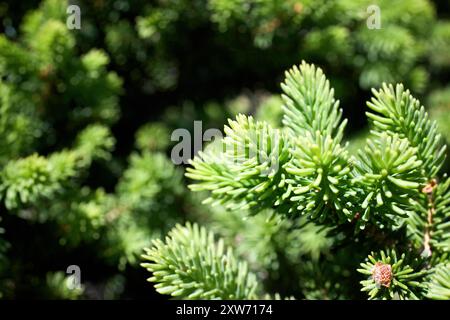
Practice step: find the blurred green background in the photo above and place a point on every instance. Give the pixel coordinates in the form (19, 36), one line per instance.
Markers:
(86, 117)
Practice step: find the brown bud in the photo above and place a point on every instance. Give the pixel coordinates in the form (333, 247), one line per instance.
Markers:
(382, 274)
(429, 187)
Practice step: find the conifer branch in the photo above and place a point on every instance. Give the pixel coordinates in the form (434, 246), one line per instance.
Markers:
(393, 277)
(247, 172)
(191, 265)
(396, 110)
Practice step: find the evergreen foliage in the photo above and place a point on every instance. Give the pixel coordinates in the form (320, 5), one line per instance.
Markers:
(439, 283)
(288, 205)
(392, 185)
(190, 264)
(386, 270)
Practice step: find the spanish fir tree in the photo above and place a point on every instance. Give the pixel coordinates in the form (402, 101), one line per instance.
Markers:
(391, 197)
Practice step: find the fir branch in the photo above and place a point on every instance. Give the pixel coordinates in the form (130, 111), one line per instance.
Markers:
(319, 168)
(391, 277)
(388, 173)
(429, 222)
(191, 265)
(309, 104)
(316, 174)
(319, 177)
(247, 173)
(439, 282)
(28, 180)
(397, 111)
